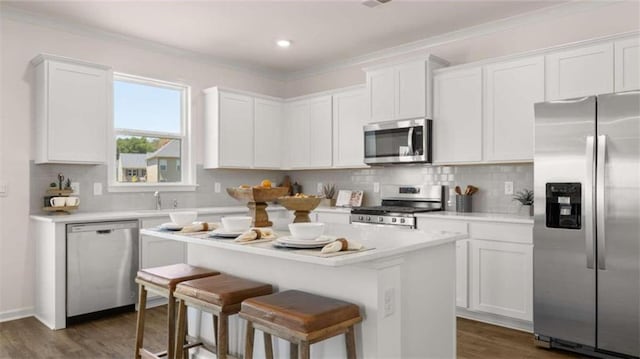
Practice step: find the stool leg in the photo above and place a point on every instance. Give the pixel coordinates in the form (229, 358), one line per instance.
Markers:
(171, 319)
(268, 346)
(215, 328)
(181, 331)
(305, 350)
(142, 306)
(248, 341)
(293, 351)
(222, 341)
(350, 338)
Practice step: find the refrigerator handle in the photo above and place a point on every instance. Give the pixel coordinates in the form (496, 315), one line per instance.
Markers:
(601, 200)
(589, 202)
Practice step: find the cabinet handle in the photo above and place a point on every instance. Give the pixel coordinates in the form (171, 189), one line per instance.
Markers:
(588, 196)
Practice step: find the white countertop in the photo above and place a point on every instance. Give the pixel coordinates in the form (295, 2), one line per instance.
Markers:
(477, 216)
(386, 242)
(140, 213)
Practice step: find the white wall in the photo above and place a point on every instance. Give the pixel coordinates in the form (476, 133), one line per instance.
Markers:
(21, 42)
(615, 18)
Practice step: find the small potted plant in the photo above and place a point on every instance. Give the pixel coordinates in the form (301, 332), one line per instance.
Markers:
(525, 197)
(328, 192)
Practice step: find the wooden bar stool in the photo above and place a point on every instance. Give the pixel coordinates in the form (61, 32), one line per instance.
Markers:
(302, 319)
(163, 281)
(221, 296)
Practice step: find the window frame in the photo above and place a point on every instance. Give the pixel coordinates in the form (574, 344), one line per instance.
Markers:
(188, 171)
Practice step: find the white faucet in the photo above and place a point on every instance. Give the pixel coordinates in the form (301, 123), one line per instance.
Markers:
(158, 200)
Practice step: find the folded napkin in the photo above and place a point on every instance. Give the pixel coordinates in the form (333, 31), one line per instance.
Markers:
(341, 244)
(199, 227)
(255, 234)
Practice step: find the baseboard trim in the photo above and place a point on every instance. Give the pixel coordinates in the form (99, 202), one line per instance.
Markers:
(495, 319)
(14, 314)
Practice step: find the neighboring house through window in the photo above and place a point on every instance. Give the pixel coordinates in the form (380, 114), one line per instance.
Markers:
(150, 135)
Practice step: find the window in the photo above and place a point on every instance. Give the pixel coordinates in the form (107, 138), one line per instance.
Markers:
(150, 135)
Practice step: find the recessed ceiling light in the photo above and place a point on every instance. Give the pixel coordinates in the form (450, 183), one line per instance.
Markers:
(283, 43)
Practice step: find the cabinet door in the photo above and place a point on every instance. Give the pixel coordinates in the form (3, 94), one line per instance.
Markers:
(510, 90)
(627, 69)
(320, 132)
(236, 130)
(267, 133)
(298, 134)
(501, 277)
(348, 119)
(381, 94)
(155, 252)
(411, 95)
(462, 272)
(457, 120)
(78, 112)
(580, 72)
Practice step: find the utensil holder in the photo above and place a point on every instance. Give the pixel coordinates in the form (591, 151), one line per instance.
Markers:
(463, 203)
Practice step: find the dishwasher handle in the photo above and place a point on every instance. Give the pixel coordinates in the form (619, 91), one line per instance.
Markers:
(101, 227)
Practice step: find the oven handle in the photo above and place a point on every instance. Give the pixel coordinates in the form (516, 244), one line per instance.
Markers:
(410, 140)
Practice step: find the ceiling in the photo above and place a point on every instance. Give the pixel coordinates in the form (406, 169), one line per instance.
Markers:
(244, 32)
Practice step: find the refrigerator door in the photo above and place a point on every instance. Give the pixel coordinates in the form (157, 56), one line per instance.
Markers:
(563, 253)
(618, 223)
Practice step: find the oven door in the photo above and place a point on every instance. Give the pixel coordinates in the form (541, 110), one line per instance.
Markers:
(398, 142)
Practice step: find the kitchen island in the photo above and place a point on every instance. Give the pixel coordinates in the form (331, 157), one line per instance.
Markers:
(404, 283)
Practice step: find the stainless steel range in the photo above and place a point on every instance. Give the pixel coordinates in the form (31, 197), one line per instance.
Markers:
(400, 203)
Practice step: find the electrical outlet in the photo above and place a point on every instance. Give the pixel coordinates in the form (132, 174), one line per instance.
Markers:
(217, 187)
(75, 186)
(389, 302)
(319, 188)
(97, 189)
(376, 187)
(4, 189)
(508, 188)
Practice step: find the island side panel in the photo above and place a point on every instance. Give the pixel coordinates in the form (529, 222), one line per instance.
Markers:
(356, 284)
(428, 303)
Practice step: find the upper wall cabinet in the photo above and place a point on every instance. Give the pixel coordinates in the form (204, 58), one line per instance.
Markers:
(401, 91)
(580, 72)
(510, 90)
(349, 109)
(73, 110)
(308, 142)
(457, 118)
(627, 69)
(267, 133)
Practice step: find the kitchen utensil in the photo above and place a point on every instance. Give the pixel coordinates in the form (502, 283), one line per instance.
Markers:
(306, 231)
(72, 201)
(222, 233)
(236, 224)
(301, 205)
(458, 190)
(463, 203)
(58, 201)
(256, 199)
(183, 218)
(170, 226)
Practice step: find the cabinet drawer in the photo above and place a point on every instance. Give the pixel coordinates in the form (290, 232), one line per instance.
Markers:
(506, 232)
(428, 224)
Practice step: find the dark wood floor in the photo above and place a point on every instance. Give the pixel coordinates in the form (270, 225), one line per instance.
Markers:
(114, 338)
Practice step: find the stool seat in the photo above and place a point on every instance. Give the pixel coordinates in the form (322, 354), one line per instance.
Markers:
(300, 311)
(222, 290)
(169, 276)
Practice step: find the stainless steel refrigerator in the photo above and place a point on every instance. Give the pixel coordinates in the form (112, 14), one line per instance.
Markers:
(587, 225)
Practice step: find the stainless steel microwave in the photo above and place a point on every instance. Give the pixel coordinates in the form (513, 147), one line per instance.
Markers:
(406, 141)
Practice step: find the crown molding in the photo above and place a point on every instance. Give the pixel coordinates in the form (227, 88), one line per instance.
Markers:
(552, 12)
(12, 13)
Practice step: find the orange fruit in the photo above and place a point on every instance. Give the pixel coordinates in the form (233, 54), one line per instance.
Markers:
(265, 183)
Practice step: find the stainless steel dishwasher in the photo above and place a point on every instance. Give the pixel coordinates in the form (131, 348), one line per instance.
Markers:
(102, 261)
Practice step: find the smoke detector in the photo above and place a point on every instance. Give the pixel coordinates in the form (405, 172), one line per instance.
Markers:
(374, 3)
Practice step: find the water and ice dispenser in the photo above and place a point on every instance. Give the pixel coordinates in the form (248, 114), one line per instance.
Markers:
(564, 205)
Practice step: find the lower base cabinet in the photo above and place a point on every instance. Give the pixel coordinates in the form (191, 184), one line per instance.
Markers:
(462, 297)
(501, 278)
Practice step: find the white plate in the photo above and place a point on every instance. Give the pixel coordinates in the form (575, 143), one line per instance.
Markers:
(302, 243)
(170, 226)
(224, 234)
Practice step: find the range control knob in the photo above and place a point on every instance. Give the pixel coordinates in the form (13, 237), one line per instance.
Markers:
(394, 220)
(368, 218)
(402, 220)
(361, 218)
(380, 219)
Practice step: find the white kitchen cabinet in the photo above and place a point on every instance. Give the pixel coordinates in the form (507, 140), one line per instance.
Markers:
(268, 127)
(348, 118)
(462, 273)
(332, 217)
(627, 64)
(579, 72)
(457, 118)
(501, 280)
(510, 91)
(228, 128)
(297, 138)
(73, 110)
(320, 132)
(381, 92)
(401, 91)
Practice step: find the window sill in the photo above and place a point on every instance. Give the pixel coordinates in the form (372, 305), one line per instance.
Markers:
(168, 187)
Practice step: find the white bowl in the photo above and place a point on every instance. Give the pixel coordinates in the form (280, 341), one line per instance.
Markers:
(236, 224)
(306, 231)
(183, 218)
